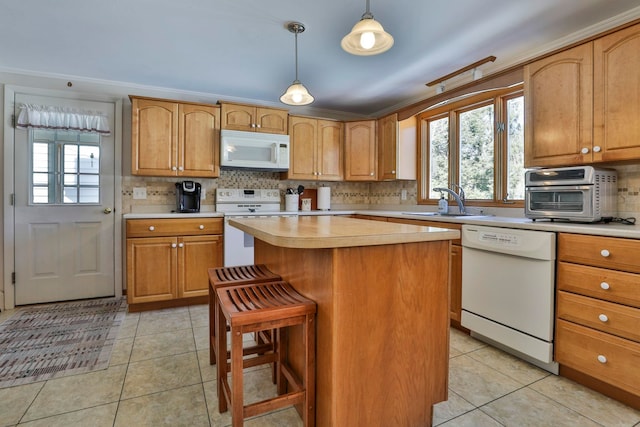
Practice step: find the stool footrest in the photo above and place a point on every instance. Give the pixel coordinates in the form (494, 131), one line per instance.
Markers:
(274, 403)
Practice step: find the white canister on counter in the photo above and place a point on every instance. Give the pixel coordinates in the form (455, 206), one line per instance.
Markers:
(324, 198)
(291, 202)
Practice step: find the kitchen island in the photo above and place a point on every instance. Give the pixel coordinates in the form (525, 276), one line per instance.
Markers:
(383, 312)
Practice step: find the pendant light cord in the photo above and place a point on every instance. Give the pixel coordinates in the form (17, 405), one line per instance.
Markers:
(367, 14)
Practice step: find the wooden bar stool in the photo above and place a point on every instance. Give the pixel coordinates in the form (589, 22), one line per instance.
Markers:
(237, 275)
(259, 307)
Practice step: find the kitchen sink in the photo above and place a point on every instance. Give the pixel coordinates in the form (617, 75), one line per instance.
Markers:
(449, 215)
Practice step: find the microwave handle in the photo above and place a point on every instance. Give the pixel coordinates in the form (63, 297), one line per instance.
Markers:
(275, 153)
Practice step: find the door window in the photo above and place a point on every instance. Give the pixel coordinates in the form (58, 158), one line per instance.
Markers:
(65, 167)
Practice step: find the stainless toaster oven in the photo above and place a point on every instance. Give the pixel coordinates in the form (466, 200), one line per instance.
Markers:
(580, 194)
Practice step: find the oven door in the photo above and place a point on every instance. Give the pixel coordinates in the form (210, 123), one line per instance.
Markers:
(238, 245)
(573, 202)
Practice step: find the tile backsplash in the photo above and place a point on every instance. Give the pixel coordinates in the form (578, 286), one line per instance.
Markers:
(161, 191)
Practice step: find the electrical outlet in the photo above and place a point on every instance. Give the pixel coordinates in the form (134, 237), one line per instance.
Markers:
(403, 194)
(203, 195)
(139, 193)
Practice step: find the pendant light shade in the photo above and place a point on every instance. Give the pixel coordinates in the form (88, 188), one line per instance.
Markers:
(296, 93)
(367, 37)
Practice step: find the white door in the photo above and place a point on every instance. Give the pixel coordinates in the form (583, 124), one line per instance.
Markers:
(64, 197)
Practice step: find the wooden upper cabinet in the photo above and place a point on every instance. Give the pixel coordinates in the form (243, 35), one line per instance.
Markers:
(397, 155)
(361, 153)
(174, 138)
(316, 149)
(252, 118)
(616, 101)
(558, 108)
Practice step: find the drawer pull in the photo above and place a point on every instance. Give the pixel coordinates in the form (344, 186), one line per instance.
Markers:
(201, 227)
(605, 253)
(604, 285)
(151, 228)
(173, 245)
(602, 358)
(603, 318)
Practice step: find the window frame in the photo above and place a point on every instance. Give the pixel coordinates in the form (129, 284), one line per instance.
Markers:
(452, 109)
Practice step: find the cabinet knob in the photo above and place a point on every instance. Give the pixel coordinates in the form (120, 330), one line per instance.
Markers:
(585, 150)
(181, 168)
(201, 227)
(602, 358)
(173, 245)
(173, 168)
(258, 126)
(603, 318)
(319, 173)
(604, 285)
(253, 125)
(596, 149)
(605, 253)
(371, 174)
(151, 228)
(181, 245)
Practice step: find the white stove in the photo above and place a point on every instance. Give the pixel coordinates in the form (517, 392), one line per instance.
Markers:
(239, 203)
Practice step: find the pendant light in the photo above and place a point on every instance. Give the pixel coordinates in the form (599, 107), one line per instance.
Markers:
(296, 94)
(367, 37)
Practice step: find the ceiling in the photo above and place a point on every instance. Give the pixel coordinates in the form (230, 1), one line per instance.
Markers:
(241, 49)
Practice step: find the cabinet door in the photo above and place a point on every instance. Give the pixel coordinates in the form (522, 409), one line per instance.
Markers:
(361, 154)
(388, 147)
(558, 107)
(151, 269)
(196, 254)
(237, 117)
(198, 141)
(616, 104)
(154, 135)
(455, 284)
(271, 120)
(329, 150)
(302, 147)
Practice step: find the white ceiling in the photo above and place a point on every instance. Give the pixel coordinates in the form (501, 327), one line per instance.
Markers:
(241, 49)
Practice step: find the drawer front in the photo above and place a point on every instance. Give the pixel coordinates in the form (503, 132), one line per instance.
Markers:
(609, 285)
(174, 227)
(604, 316)
(607, 252)
(610, 359)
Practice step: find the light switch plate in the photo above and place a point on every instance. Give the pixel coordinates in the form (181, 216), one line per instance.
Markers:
(139, 193)
(403, 194)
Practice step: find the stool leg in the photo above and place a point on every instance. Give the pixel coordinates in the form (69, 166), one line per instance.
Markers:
(237, 401)
(212, 325)
(221, 340)
(281, 347)
(309, 410)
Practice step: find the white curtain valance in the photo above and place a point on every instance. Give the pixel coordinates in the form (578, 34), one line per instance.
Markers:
(46, 117)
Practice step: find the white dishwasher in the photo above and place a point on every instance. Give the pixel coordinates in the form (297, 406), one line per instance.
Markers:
(508, 290)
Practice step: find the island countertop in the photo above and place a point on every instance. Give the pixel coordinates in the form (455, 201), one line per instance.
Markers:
(315, 232)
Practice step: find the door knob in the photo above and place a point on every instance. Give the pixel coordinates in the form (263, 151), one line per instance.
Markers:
(107, 211)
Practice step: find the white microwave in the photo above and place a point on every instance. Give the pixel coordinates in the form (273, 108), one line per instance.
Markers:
(254, 150)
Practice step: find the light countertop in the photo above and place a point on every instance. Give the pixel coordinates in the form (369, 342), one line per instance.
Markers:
(312, 231)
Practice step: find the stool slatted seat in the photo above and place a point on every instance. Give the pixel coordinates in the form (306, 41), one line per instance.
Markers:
(258, 307)
(237, 275)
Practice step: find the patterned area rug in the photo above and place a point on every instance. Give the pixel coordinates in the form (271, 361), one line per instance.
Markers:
(48, 341)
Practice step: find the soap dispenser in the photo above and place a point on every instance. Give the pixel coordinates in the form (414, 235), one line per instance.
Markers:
(443, 205)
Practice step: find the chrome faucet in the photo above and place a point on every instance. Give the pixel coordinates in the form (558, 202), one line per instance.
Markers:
(459, 196)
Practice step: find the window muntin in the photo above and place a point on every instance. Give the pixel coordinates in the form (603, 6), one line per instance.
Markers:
(501, 177)
(65, 167)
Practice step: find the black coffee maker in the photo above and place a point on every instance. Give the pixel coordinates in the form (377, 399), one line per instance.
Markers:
(187, 196)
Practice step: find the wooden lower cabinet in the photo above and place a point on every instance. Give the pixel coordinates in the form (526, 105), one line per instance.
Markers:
(167, 260)
(597, 342)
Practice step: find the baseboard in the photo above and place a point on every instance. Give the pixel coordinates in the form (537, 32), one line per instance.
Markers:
(158, 305)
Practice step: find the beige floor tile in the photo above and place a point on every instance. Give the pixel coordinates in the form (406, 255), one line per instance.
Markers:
(98, 416)
(207, 372)
(77, 392)
(14, 402)
(161, 374)
(162, 344)
(476, 382)
(201, 336)
(521, 371)
(5, 314)
(453, 407)
(475, 418)
(121, 351)
(464, 343)
(199, 316)
(183, 406)
(589, 403)
(528, 408)
(167, 322)
(211, 396)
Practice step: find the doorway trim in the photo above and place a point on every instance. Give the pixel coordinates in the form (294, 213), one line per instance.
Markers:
(7, 293)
